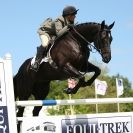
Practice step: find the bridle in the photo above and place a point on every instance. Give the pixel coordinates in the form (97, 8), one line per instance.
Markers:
(98, 40)
(100, 45)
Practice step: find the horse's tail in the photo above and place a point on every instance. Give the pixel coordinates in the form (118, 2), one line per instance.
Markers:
(19, 77)
(17, 84)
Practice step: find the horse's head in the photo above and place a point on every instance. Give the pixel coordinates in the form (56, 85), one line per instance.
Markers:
(100, 34)
(103, 41)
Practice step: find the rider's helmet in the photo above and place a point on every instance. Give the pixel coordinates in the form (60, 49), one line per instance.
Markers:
(69, 10)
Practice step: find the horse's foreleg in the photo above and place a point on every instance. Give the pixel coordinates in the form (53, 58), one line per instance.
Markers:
(72, 70)
(76, 88)
(82, 82)
(96, 70)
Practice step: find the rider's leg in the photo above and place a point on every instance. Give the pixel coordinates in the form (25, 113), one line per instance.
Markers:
(41, 51)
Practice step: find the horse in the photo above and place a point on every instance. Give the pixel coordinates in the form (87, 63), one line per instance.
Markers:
(69, 56)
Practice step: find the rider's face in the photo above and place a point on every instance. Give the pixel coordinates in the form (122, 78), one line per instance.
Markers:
(71, 18)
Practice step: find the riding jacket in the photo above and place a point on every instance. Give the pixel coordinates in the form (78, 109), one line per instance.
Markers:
(53, 27)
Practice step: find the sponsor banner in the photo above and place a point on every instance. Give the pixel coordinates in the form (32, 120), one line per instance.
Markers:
(119, 86)
(100, 87)
(96, 123)
(45, 124)
(4, 125)
(2, 86)
(115, 124)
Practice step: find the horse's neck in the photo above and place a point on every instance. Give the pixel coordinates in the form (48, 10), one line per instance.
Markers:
(88, 30)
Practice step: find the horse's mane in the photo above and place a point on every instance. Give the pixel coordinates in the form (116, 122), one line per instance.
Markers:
(89, 23)
(86, 23)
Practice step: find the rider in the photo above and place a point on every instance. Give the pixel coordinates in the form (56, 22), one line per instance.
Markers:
(61, 26)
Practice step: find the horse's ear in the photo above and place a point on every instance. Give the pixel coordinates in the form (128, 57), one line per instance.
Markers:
(111, 26)
(102, 24)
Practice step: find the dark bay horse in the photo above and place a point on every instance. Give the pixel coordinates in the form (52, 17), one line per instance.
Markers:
(70, 53)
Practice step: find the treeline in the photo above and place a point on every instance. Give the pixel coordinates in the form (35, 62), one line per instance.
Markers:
(57, 88)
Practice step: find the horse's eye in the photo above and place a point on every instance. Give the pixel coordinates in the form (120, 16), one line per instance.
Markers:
(103, 34)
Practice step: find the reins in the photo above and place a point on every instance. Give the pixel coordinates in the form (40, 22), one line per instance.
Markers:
(85, 40)
(90, 46)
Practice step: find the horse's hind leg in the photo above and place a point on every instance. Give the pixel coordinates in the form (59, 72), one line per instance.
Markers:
(36, 110)
(19, 114)
(40, 92)
(21, 110)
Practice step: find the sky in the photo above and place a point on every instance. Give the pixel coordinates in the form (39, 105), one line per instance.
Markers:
(20, 19)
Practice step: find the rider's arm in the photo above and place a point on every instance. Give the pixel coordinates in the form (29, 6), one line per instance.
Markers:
(60, 30)
(58, 26)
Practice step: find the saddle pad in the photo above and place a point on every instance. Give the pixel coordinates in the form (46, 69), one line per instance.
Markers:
(46, 59)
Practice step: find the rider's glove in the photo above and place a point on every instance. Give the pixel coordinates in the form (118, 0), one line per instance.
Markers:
(70, 26)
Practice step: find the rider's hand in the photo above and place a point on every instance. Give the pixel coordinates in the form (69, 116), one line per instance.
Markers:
(70, 26)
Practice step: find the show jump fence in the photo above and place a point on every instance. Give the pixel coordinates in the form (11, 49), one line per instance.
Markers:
(74, 101)
(88, 123)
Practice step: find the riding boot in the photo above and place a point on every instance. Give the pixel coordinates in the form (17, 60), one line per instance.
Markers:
(41, 52)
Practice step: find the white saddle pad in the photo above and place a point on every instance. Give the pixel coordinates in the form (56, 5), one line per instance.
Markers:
(46, 59)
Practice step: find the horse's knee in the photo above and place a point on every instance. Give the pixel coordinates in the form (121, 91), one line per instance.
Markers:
(98, 71)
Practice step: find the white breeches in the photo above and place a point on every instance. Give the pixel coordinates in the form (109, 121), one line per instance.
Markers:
(45, 38)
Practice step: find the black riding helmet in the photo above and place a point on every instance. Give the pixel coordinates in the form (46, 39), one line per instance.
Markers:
(69, 10)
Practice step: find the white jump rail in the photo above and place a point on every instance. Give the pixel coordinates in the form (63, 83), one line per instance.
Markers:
(74, 102)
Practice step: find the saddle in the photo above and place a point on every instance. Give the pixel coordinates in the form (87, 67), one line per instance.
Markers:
(47, 57)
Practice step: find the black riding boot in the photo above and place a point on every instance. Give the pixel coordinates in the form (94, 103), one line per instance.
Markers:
(41, 51)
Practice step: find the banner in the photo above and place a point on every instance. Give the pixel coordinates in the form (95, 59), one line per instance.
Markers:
(100, 87)
(92, 123)
(4, 120)
(119, 86)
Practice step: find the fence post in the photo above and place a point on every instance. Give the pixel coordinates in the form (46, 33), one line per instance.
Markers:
(8, 121)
